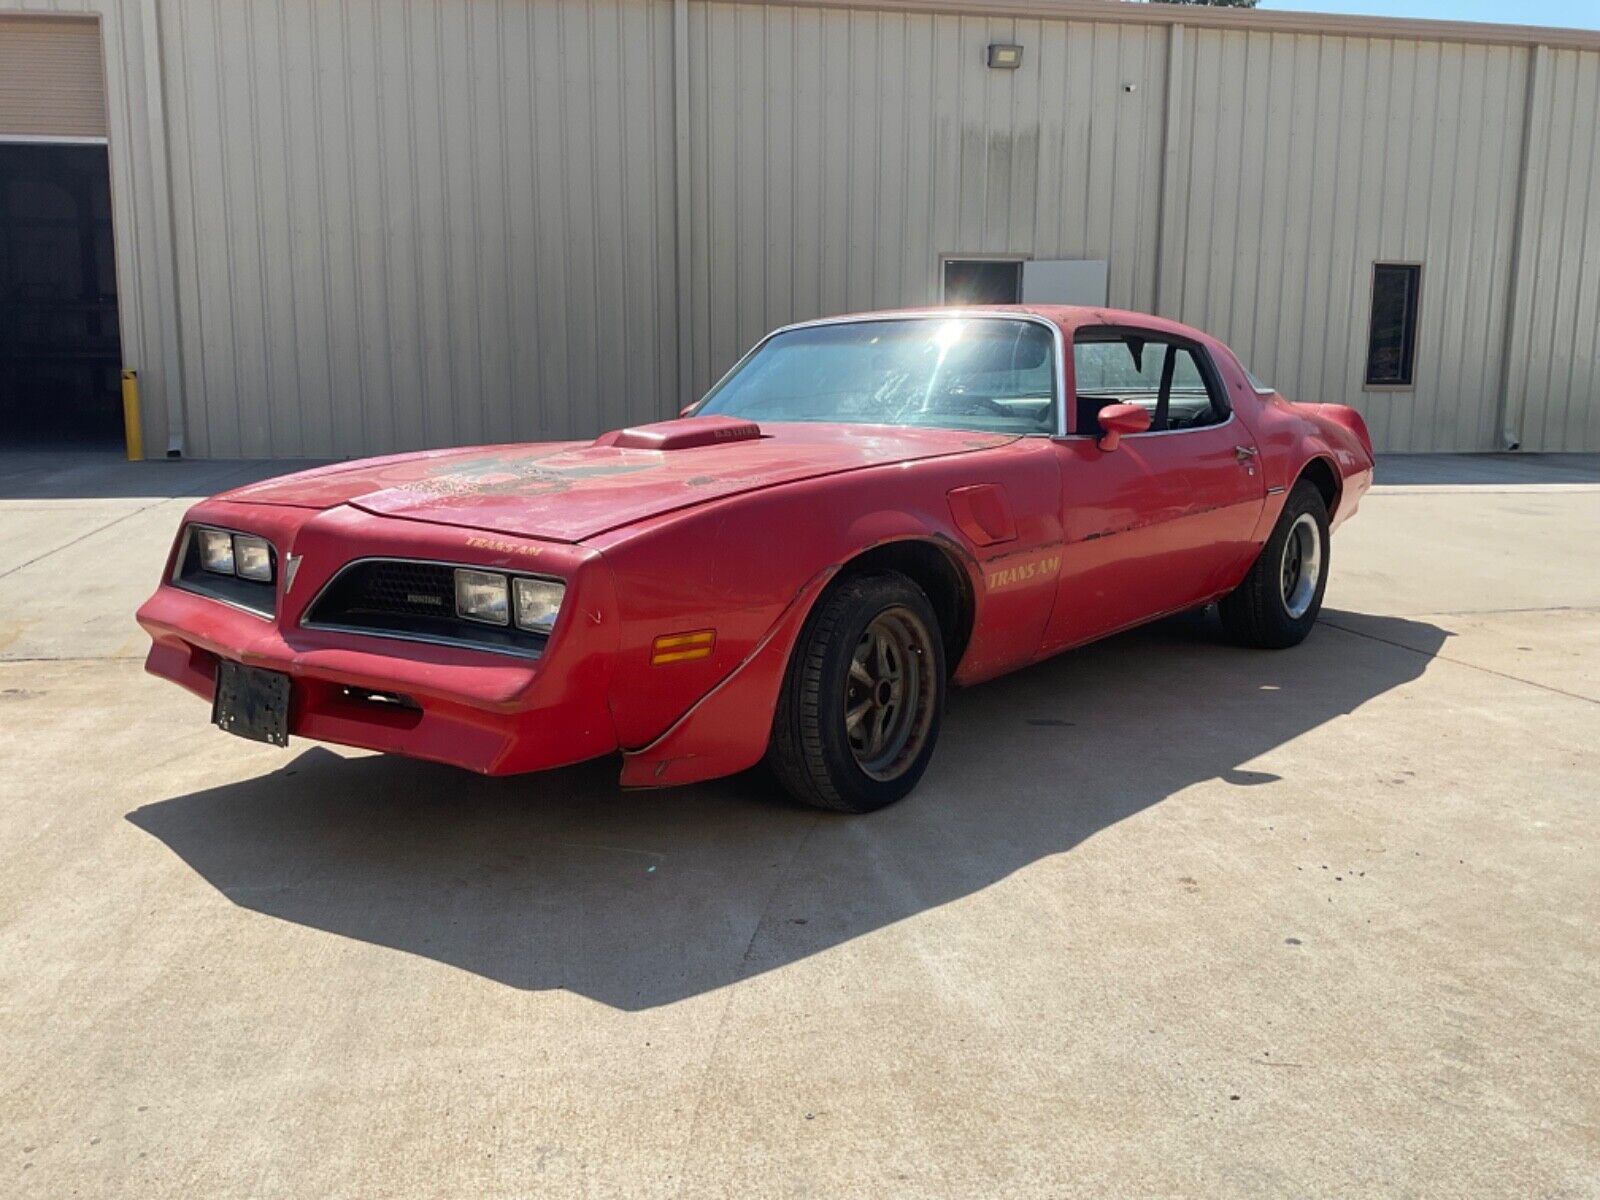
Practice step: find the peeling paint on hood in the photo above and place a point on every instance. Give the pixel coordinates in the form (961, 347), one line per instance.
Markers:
(575, 490)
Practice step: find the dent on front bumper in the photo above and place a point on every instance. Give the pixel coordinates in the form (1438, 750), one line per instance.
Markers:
(475, 709)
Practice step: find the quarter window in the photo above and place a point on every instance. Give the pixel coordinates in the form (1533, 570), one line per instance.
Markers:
(1127, 367)
(1262, 388)
(1392, 335)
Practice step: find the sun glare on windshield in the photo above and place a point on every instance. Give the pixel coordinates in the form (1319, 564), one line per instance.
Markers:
(995, 374)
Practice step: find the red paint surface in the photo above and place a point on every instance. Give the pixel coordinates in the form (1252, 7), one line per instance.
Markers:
(569, 492)
(699, 523)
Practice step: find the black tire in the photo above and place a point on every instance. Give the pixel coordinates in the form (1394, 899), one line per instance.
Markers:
(1277, 604)
(814, 750)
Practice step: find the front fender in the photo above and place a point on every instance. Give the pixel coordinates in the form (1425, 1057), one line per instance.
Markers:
(728, 728)
(746, 570)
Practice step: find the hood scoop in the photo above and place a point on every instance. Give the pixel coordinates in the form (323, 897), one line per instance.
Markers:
(682, 433)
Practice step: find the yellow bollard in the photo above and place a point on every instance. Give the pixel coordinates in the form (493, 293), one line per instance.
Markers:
(132, 430)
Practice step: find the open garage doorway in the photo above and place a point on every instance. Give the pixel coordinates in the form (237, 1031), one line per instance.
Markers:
(60, 355)
(60, 351)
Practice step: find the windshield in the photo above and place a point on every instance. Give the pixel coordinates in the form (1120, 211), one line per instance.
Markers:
(995, 374)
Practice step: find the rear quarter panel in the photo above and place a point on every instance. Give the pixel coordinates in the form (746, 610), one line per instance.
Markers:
(1289, 436)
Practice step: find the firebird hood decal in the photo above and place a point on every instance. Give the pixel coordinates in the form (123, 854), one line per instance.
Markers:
(568, 492)
(508, 475)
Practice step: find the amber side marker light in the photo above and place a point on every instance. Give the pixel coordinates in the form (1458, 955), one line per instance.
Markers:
(682, 647)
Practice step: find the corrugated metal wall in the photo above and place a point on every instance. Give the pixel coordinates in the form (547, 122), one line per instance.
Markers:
(1302, 160)
(1555, 376)
(836, 155)
(418, 223)
(349, 226)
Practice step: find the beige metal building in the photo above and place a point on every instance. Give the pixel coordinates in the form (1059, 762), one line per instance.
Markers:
(343, 227)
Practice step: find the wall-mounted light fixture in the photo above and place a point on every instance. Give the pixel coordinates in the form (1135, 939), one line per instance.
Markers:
(1004, 58)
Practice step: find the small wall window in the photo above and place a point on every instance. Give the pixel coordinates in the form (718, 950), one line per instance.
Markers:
(1392, 336)
(982, 281)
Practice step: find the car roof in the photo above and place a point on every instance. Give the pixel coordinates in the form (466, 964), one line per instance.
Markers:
(1068, 317)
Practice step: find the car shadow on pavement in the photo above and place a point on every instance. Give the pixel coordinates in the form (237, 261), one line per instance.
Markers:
(641, 899)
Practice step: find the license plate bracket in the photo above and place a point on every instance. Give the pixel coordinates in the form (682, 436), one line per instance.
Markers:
(251, 703)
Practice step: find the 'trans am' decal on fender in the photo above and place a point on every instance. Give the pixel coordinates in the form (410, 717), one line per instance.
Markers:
(1040, 565)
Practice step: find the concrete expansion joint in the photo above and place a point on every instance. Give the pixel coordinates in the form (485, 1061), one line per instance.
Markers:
(1437, 657)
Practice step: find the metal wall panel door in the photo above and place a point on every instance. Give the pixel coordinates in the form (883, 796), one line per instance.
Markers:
(52, 81)
(1065, 281)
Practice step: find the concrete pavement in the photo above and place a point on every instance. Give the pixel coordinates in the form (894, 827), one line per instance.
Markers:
(1164, 917)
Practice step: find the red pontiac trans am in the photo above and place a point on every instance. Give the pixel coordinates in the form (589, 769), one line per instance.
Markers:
(864, 512)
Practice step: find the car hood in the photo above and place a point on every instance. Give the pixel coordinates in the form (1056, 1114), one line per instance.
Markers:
(575, 490)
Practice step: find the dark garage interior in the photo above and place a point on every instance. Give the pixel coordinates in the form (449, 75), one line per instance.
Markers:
(60, 357)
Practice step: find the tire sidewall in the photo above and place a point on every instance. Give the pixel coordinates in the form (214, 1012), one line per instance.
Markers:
(1304, 500)
(872, 596)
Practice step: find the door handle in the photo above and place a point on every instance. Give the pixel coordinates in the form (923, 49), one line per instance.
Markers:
(1244, 453)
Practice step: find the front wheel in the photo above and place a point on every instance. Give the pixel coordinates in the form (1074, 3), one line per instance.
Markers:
(860, 708)
(1278, 602)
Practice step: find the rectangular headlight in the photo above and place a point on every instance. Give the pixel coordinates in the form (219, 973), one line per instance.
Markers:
(538, 602)
(252, 557)
(482, 596)
(216, 550)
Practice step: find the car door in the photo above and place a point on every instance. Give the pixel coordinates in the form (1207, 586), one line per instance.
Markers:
(1166, 519)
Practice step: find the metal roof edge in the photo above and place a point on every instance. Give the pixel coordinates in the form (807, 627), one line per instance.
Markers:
(1243, 20)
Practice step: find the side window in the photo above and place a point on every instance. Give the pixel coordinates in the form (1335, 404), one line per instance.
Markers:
(1161, 375)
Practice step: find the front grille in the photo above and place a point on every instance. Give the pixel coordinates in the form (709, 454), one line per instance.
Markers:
(397, 589)
(416, 601)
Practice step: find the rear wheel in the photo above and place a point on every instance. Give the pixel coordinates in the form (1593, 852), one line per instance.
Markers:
(860, 708)
(1278, 602)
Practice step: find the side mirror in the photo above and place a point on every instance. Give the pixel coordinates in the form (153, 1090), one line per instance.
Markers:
(1118, 419)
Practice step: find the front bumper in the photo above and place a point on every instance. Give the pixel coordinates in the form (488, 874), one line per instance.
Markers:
(470, 708)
